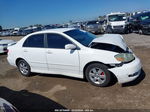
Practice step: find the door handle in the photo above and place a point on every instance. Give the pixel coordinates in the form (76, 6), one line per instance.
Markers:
(25, 50)
(49, 52)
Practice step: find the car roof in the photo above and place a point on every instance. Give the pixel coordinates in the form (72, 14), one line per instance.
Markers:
(140, 14)
(116, 13)
(59, 30)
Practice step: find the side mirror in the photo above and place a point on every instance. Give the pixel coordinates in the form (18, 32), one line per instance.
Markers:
(70, 47)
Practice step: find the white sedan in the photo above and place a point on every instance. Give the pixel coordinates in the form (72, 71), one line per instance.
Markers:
(76, 53)
(4, 44)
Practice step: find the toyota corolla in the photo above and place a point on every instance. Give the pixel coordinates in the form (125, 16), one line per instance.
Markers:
(76, 53)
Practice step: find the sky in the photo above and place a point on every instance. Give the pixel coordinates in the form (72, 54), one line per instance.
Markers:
(19, 13)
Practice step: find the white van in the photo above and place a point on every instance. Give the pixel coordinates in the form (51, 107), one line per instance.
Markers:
(116, 23)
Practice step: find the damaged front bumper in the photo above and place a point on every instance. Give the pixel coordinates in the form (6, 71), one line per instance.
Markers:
(127, 72)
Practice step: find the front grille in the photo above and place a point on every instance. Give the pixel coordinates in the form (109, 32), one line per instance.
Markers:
(118, 27)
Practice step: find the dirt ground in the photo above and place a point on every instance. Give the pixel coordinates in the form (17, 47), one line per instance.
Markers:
(49, 91)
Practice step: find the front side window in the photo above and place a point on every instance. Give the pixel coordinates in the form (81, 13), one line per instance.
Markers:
(145, 17)
(35, 41)
(57, 41)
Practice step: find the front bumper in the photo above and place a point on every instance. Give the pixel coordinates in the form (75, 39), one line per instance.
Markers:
(127, 72)
(120, 29)
(93, 30)
(146, 30)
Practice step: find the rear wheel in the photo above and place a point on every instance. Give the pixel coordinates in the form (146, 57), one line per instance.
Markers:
(140, 31)
(24, 68)
(98, 75)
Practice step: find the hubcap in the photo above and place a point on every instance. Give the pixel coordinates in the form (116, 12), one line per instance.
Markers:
(97, 76)
(23, 68)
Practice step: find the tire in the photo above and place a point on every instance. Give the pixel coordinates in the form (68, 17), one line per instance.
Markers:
(98, 75)
(24, 68)
(140, 31)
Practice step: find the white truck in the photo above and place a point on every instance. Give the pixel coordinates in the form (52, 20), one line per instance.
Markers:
(116, 23)
(16, 31)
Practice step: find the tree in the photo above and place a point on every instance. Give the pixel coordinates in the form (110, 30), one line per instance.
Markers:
(1, 28)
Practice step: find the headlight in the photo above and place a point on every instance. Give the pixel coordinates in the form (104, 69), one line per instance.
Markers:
(124, 57)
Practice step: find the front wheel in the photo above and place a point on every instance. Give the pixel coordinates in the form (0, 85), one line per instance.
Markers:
(98, 75)
(24, 68)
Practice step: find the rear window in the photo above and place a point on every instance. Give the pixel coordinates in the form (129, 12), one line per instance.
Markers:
(108, 47)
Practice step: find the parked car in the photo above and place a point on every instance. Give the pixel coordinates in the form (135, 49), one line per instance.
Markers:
(4, 44)
(5, 33)
(46, 27)
(5, 106)
(141, 23)
(75, 25)
(94, 27)
(116, 23)
(17, 32)
(76, 53)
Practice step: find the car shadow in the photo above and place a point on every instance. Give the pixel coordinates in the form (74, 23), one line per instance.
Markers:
(61, 76)
(113, 81)
(26, 101)
(136, 81)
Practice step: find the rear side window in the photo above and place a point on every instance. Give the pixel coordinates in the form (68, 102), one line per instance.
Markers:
(36, 41)
(57, 41)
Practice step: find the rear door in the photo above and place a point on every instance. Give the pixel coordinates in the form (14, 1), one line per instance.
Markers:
(34, 53)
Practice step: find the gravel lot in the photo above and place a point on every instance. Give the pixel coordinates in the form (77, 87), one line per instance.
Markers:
(41, 91)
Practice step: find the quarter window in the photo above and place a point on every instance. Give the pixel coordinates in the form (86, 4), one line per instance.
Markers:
(35, 41)
(57, 41)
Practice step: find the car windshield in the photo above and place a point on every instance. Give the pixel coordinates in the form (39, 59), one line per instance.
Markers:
(85, 38)
(92, 22)
(145, 17)
(112, 18)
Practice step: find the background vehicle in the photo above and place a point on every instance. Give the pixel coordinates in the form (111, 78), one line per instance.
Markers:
(116, 23)
(4, 44)
(16, 31)
(74, 25)
(75, 53)
(141, 23)
(94, 26)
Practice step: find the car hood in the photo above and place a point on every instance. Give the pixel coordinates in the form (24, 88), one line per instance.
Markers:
(6, 41)
(114, 39)
(92, 25)
(118, 23)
